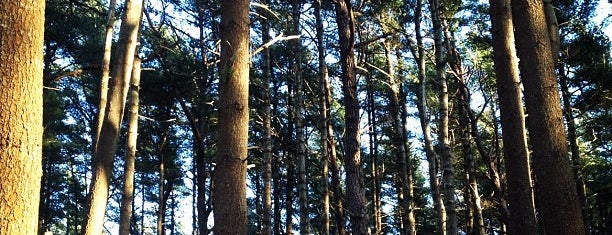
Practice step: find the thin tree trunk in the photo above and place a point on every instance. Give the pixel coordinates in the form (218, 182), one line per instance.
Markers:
(432, 156)
(267, 125)
(556, 187)
(299, 126)
(575, 149)
(103, 157)
(409, 190)
(446, 155)
(520, 192)
(229, 193)
(21, 114)
(127, 198)
(373, 152)
(323, 108)
(108, 44)
(352, 159)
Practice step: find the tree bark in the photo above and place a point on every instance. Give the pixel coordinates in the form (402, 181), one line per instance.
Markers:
(267, 125)
(446, 154)
(555, 185)
(520, 192)
(432, 156)
(229, 193)
(296, 8)
(103, 157)
(352, 159)
(21, 114)
(108, 44)
(323, 109)
(127, 198)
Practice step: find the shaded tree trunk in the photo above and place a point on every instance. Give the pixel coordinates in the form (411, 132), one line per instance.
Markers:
(229, 193)
(103, 157)
(520, 192)
(127, 198)
(267, 126)
(21, 114)
(555, 185)
(352, 158)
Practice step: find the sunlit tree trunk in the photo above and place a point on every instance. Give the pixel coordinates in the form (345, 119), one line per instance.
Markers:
(108, 44)
(352, 158)
(446, 154)
(323, 108)
(556, 188)
(130, 158)
(229, 193)
(21, 112)
(432, 157)
(103, 157)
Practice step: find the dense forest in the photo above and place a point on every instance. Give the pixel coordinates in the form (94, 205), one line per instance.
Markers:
(305, 116)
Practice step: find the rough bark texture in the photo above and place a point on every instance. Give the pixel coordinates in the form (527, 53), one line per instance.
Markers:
(108, 44)
(520, 192)
(555, 185)
(352, 159)
(229, 193)
(21, 110)
(130, 158)
(103, 157)
(323, 109)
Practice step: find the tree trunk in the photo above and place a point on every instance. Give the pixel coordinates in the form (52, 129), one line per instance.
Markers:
(108, 44)
(130, 158)
(229, 193)
(373, 152)
(446, 153)
(574, 148)
(21, 112)
(352, 158)
(103, 157)
(432, 156)
(323, 108)
(267, 125)
(299, 126)
(520, 192)
(555, 185)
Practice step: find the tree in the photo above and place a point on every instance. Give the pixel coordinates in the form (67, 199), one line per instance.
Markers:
(555, 185)
(21, 105)
(352, 158)
(103, 157)
(127, 198)
(229, 195)
(520, 193)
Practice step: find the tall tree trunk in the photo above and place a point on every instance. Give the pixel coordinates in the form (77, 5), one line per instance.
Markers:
(352, 158)
(127, 198)
(373, 152)
(432, 157)
(446, 154)
(108, 44)
(296, 8)
(103, 157)
(229, 193)
(520, 192)
(21, 112)
(409, 190)
(574, 148)
(405, 202)
(323, 108)
(267, 125)
(555, 185)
